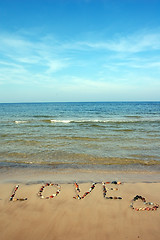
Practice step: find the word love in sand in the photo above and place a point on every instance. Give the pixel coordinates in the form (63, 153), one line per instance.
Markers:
(77, 189)
(149, 206)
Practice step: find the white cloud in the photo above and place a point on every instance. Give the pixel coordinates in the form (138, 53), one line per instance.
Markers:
(47, 63)
(55, 65)
(22, 60)
(134, 43)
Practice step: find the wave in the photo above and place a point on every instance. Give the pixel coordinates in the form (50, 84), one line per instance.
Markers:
(61, 121)
(91, 121)
(20, 121)
(104, 121)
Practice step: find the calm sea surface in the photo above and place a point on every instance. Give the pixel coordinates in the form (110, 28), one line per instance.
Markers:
(80, 134)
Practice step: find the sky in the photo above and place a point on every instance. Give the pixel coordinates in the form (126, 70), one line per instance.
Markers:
(79, 50)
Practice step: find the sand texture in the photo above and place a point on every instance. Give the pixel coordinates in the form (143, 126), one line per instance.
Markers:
(64, 217)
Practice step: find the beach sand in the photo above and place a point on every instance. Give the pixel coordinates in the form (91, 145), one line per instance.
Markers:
(64, 217)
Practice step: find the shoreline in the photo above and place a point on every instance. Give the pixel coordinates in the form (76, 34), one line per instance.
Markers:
(33, 175)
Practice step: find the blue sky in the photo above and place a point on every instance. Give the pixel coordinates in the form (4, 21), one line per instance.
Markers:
(79, 50)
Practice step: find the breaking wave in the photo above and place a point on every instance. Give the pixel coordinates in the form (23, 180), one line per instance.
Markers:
(66, 121)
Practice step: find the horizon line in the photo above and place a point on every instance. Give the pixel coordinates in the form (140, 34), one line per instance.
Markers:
(25, 102)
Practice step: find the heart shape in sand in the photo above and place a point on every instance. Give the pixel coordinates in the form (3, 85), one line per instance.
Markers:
(148, 207)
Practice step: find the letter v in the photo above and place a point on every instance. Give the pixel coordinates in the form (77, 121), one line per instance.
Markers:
(85, 194)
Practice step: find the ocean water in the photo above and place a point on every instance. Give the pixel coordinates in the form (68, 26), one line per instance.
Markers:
(80, 135)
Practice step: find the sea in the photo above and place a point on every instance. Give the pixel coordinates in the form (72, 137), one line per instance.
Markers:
(80, 135)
